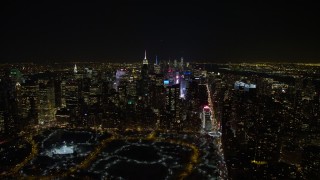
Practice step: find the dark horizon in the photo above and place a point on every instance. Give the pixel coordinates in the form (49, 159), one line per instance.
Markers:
(215, 32)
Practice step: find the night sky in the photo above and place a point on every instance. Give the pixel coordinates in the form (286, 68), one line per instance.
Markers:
(109, 31)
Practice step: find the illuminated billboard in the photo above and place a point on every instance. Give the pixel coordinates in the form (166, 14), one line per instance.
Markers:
(166, 82)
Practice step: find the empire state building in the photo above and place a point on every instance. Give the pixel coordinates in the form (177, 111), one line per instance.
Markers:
(145, 60)
(145, 67)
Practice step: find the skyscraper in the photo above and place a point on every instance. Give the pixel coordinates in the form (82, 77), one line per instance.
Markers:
(173, 104)
(145, 67)
(145, 60)
(143, 85)
(206, 118)
(75, 69)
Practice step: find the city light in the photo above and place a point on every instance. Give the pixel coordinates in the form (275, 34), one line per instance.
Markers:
(197, 125)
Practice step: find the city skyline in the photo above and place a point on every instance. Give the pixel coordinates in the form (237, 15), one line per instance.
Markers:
(169, 120)
(109, 32)
(158, 90)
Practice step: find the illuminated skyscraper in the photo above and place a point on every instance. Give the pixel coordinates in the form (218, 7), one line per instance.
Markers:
(144, 84)
(145, 67)
(173, 105)
(29, 101)
(145, 60)
(10, 90)
(206, 119)
(75, 69)
(71, 94)
(46, 101)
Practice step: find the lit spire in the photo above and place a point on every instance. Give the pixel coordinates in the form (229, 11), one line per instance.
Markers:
(75, 70)
(156, 60)
(145, 54)
(145, 60)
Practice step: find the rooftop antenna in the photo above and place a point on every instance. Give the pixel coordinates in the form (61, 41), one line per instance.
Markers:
(145, 54)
